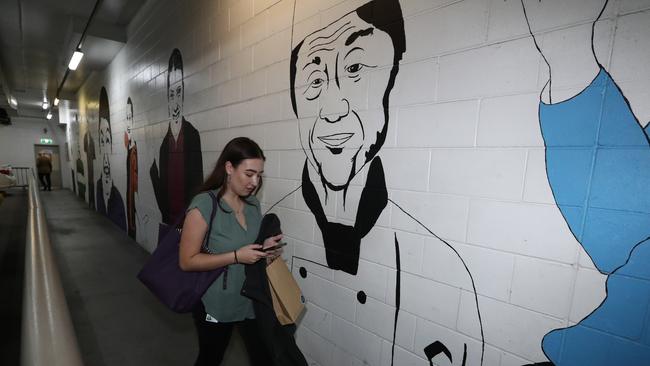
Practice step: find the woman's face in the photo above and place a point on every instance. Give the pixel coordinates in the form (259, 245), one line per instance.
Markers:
(245, 177)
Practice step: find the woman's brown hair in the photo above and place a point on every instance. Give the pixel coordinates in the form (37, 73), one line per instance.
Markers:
(235, 151)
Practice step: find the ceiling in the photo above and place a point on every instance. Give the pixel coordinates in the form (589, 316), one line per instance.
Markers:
(37, 38)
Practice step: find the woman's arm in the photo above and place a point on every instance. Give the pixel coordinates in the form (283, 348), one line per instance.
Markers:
(191, 258)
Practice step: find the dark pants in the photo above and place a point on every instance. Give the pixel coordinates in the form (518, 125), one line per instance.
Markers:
(45, 181)
(214, 339)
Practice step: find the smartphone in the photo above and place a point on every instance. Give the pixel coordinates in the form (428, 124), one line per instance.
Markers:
(277, 246)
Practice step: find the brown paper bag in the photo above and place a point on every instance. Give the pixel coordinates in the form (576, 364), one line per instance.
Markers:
(287, 298)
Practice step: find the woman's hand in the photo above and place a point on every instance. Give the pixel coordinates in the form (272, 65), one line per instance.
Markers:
(271, 242)
(250, 254)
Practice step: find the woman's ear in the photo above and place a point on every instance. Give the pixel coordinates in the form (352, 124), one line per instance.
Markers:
(229, 168)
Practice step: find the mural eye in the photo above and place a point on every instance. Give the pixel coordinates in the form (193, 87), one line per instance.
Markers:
(315, 86)
(354, 68)
(317, 83)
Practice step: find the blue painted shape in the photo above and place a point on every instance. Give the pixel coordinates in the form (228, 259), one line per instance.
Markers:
(610, 235)
(574, 214)
(614, 333)
(599, 349)
(570, 169)
(619, 127)
(594, 139)
(623, 311)
(571, 123)
(620, 179)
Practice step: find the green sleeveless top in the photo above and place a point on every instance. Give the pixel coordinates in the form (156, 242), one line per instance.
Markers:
(223, 300)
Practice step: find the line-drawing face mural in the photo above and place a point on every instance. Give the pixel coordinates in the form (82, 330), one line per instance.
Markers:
(109, 200)
(78, 179)
(598, 167)
(89, 149)
(131, 170)
(181, 164)
(329, 69)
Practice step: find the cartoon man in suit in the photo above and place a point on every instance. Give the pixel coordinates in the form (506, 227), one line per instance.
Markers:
(109, 200)
(181, 162)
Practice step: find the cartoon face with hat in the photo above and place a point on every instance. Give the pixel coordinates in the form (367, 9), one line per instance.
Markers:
(341, 78)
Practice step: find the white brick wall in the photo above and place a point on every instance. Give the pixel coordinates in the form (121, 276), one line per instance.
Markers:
(464, 156)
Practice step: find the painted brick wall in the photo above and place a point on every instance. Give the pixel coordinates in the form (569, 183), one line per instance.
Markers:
(470, 201)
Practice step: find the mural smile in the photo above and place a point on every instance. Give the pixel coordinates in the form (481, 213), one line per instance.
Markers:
(336, 140)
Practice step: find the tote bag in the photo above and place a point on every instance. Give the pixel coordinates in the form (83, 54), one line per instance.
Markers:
(179, 290)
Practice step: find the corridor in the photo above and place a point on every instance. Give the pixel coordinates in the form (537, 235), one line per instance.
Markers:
(116, 319)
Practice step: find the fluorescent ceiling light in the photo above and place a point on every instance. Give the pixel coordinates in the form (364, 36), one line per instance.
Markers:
(49, 115)
(56, 102)
(13, 102)
(46, 105)
(75, 60)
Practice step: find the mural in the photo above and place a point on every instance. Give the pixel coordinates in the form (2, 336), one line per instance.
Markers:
(131, 170)
(78, 179)
(353, 68)
(89, 149)
(327, 71)
(598, 166)
(109, 200)
(181, 164)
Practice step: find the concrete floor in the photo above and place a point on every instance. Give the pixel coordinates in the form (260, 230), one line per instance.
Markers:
(116, 319)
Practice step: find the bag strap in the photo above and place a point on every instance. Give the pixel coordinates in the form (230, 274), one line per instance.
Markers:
(204, 247)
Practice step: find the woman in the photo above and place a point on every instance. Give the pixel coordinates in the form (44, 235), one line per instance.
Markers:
(235, 180)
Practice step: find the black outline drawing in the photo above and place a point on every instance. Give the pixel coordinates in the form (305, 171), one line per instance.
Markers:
(113, 205)
(643, 131)
(342, 242)
(131, 171)
(191, 150)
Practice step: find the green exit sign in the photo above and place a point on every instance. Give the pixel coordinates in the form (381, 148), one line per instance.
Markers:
(47, 141)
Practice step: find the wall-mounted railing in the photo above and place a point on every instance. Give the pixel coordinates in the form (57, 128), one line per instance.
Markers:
(48, 337)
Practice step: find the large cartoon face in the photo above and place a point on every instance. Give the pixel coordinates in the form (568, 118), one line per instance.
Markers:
(331, 95)
(105, 138)
(175, 94)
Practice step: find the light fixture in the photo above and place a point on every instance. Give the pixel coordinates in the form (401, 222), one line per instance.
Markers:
(46, 105)
(13, 102)
(49, 115)
(56, 101)
(76, 59)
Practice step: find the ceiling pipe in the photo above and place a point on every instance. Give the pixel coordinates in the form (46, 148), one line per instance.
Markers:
(78, 49)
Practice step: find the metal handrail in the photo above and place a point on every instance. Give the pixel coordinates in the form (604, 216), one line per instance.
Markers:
(48, 337)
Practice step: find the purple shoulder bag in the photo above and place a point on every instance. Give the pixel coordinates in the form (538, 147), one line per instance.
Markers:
(181, 291)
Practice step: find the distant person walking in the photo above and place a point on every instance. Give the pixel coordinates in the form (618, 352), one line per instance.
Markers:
(44, 168)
